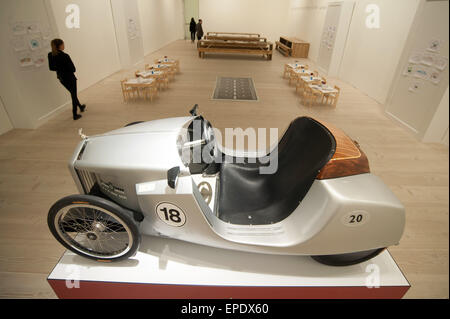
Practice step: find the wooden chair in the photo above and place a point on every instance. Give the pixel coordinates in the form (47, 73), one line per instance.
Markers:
(150, 90)
(174, 63)
(300, 85)
(332, 98)
(322, 81)
(286, 71)
(170, 70)
(146, 90)
(163, 80)
(127, 91)
(310, 95)
(292, 77)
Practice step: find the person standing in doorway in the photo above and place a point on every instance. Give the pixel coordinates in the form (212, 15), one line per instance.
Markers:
(199, 29)
(62, 63)
(192, 29)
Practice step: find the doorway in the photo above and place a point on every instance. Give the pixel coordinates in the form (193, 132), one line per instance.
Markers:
(190, 11)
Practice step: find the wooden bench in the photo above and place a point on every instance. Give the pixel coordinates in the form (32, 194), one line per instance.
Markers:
(256, 35)
(282, 48)
(229, 36)
(227, 42)
(235, 38)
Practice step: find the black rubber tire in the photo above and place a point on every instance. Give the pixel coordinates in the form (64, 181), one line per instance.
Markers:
(125, 215)
(132, 123)
(348, 259)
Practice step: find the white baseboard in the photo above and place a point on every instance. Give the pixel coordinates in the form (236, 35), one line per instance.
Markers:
(43, 119)
(409, 127)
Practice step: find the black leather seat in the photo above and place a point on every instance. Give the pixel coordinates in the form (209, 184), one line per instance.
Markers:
(248, 197)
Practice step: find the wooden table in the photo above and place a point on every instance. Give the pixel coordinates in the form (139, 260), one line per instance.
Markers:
(303, 86)
(310, 79)
(172, 62)
(159, 66)
(161, 77)
(318, 91)
(145, 86)
(295, 73)
(150, 74)
(296, 66)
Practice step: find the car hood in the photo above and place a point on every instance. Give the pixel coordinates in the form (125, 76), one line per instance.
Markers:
(162, 125)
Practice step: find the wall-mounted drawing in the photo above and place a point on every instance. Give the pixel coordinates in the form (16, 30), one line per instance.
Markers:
(427, 59)
(415, 57)
(46, 33)
(435, 77)
(33, 27)
(25, 59)
(19, 43)
(421, 73)
(34, 43)
(415, 86)
(38, 59)
(434, 45)
(18, 28)
(440, 62)
(409, 70)
(133, 31)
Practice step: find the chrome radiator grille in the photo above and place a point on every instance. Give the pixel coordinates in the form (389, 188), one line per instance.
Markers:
(87, 179)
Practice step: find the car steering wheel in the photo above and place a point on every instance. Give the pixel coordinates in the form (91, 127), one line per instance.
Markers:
(208, 137)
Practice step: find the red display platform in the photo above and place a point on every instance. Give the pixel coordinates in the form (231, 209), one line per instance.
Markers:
(172, 269)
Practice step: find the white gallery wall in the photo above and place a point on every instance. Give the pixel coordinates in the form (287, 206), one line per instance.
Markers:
(372, 55)
(127, 27)
(266, 17)
(305, 21)
(161, 22)
(416, 100)
(92, 46)
(28, 93)
(5, 123)
(99, 47)
(438, 129)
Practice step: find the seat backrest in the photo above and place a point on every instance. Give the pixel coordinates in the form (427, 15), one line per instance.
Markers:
(304, 149)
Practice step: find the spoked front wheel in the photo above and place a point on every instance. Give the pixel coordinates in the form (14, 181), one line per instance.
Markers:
(94, 227)
(348, 259)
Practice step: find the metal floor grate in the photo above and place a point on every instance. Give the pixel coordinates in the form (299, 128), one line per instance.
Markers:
(237, 89)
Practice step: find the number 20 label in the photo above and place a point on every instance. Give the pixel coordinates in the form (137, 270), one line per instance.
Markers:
(171, 214)
(355, 218)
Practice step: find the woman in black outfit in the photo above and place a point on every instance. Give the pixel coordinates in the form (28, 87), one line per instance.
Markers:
(62, 63)
(192, 29)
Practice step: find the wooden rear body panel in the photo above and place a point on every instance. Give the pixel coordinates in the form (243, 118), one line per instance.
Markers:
(348, 158)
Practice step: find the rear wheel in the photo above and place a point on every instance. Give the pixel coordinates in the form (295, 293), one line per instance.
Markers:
(94, 227)
(348, 259)
(133, 123)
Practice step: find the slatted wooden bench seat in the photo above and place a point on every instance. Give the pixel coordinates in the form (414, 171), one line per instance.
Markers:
(240, 43)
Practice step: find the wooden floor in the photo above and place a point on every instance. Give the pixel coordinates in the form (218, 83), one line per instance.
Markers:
(34, 174)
